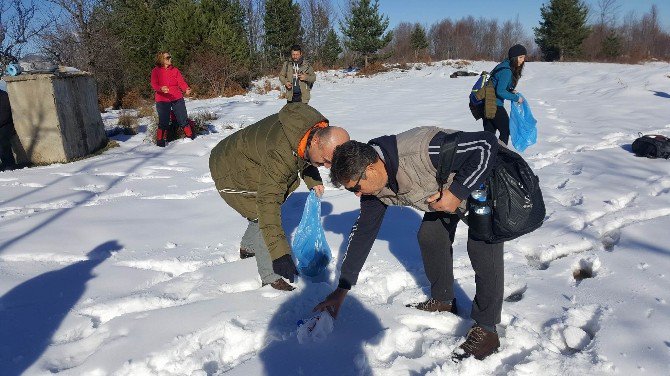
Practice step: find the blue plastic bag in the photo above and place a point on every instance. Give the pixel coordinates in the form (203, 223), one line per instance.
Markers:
(309, 242)
(522, 126)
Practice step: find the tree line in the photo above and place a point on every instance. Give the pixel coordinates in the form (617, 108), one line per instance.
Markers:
(221, 45)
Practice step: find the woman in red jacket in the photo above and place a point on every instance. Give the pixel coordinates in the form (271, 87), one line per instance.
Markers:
(168, 85)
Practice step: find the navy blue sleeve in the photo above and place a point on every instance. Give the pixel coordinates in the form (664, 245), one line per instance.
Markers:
(362, 236)
(474, 159)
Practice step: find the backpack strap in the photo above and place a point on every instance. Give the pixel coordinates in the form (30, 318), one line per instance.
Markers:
(446, 159)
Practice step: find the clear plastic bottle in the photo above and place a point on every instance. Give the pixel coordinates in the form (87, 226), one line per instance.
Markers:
(479, 201)
(479, 219)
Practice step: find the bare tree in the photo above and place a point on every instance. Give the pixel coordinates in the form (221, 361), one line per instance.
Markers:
(608, 12)
(81, 38)
(440, 38)
(19, 26)
(400, 47)
(316, 23)
(254, 10)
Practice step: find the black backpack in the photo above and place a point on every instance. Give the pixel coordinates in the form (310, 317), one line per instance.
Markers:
(513, 191)
(652, 146)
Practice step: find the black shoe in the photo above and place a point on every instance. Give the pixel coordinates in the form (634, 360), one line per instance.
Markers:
(433, 305)
(480, 343)
(244, 253)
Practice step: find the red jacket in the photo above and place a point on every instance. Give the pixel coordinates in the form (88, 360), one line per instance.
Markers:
(170, 77)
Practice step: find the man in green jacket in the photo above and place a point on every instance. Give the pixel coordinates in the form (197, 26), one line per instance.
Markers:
(256, 168)
(297, 75)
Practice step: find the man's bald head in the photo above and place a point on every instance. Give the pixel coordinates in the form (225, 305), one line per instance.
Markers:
(323, 144)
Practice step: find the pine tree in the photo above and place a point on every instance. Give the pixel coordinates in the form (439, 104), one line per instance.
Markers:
(282, 29)
(138, 26)
(611, 45)
(364, 29)
(183, 30)
(331, 49)
(225, 27)
(419, 40)
(562, 29)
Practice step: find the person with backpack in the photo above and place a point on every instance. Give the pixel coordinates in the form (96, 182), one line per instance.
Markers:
(504, 78)
(297, 75)
(402, 170)
(169, 88)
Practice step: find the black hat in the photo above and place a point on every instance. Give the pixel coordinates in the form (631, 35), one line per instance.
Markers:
(516, 50)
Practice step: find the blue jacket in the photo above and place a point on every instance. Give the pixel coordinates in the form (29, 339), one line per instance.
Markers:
(502, 81)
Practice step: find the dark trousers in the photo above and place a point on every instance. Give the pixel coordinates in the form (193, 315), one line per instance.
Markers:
(6, 155)
(179, 109)
(436, 236)
(500, 123)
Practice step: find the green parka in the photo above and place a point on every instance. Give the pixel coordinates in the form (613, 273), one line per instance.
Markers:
(256, 168)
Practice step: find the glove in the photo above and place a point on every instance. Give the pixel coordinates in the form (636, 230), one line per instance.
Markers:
(285, 267)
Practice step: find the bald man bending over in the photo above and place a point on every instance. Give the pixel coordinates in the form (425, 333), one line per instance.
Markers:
(256, 168)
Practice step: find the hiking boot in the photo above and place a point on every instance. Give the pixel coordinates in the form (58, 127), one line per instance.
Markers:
(280, 284)
(433, 305)
(480, 344)
(188, 131)
(245, 253)
(161, 135)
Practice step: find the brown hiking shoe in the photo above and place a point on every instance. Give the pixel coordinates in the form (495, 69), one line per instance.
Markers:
(480, 344)
(433, 305)
(280, 284)
(245, 253)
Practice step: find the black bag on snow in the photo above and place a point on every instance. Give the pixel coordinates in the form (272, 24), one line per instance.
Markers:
(652, 146)
(513, 191)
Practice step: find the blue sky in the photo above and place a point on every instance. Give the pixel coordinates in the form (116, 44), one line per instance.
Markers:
(429, 11)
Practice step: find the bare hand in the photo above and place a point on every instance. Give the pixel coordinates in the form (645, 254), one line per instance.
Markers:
(302, 76)
(448, 203)
(289, 85)
(332, 302)
(165, 89)
(319, 189)
(188, 92)
(520, 99)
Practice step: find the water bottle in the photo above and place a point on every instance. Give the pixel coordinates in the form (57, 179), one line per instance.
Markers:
(479, 219)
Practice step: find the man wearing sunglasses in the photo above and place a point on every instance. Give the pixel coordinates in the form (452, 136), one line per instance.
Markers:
(256, 168)
(401, 170)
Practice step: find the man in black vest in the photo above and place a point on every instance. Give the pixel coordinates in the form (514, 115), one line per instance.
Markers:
(401, 170)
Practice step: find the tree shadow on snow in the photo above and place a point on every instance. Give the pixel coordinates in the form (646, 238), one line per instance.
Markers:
(31, 312)
(342, 352)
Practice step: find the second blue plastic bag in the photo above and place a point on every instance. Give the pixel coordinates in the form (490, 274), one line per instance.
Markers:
(522, 126)
(309, 242)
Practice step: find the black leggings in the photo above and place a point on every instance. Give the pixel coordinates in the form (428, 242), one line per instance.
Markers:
(500, 122)
(179, 109)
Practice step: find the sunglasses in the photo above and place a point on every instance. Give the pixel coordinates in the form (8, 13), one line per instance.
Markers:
(357, 187)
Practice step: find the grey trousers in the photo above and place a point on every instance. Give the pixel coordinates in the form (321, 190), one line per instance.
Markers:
(436, 236)
(252, 240)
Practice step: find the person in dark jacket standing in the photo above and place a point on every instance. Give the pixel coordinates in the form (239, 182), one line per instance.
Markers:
(256, 168)
(401, 170)
(505, 77)
(168, 85)
(7, 161)
(297, 75)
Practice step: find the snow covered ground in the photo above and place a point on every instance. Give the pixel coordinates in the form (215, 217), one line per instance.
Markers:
(127, 263)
